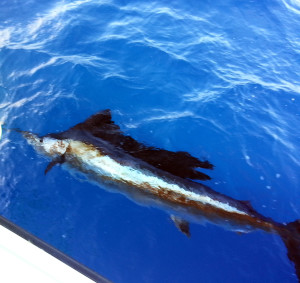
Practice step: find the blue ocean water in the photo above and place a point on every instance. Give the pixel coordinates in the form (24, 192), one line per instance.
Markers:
(218, 79)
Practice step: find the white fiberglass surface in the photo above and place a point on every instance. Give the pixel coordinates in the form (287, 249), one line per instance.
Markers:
(21, 261)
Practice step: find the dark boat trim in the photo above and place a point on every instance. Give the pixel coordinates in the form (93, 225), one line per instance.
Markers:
(52, 251)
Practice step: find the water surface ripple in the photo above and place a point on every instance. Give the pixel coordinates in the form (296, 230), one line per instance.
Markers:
(219, 80)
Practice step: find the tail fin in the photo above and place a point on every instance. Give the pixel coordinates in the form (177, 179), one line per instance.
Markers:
(291, 238)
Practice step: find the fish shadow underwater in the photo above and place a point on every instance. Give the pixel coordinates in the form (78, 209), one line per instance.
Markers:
(100, 150)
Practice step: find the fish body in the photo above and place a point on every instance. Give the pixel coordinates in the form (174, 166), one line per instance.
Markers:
(138, 179)
(98, 149)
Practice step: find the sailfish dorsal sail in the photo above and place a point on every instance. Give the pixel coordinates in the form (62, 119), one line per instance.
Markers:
(101, 125)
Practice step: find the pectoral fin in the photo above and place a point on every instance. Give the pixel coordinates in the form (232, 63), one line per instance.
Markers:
(182, 225)
(57, 160)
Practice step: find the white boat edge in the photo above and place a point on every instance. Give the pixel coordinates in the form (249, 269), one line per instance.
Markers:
(26, 258)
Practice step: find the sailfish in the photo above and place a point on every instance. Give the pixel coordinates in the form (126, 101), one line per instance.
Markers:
(148, 175)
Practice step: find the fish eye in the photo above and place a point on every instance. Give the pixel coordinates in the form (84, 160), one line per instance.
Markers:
(41, 139)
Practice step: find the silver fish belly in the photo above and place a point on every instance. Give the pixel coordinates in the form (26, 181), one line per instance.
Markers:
(107, 167)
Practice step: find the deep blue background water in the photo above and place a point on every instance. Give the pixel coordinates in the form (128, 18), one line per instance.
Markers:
(219, 80)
